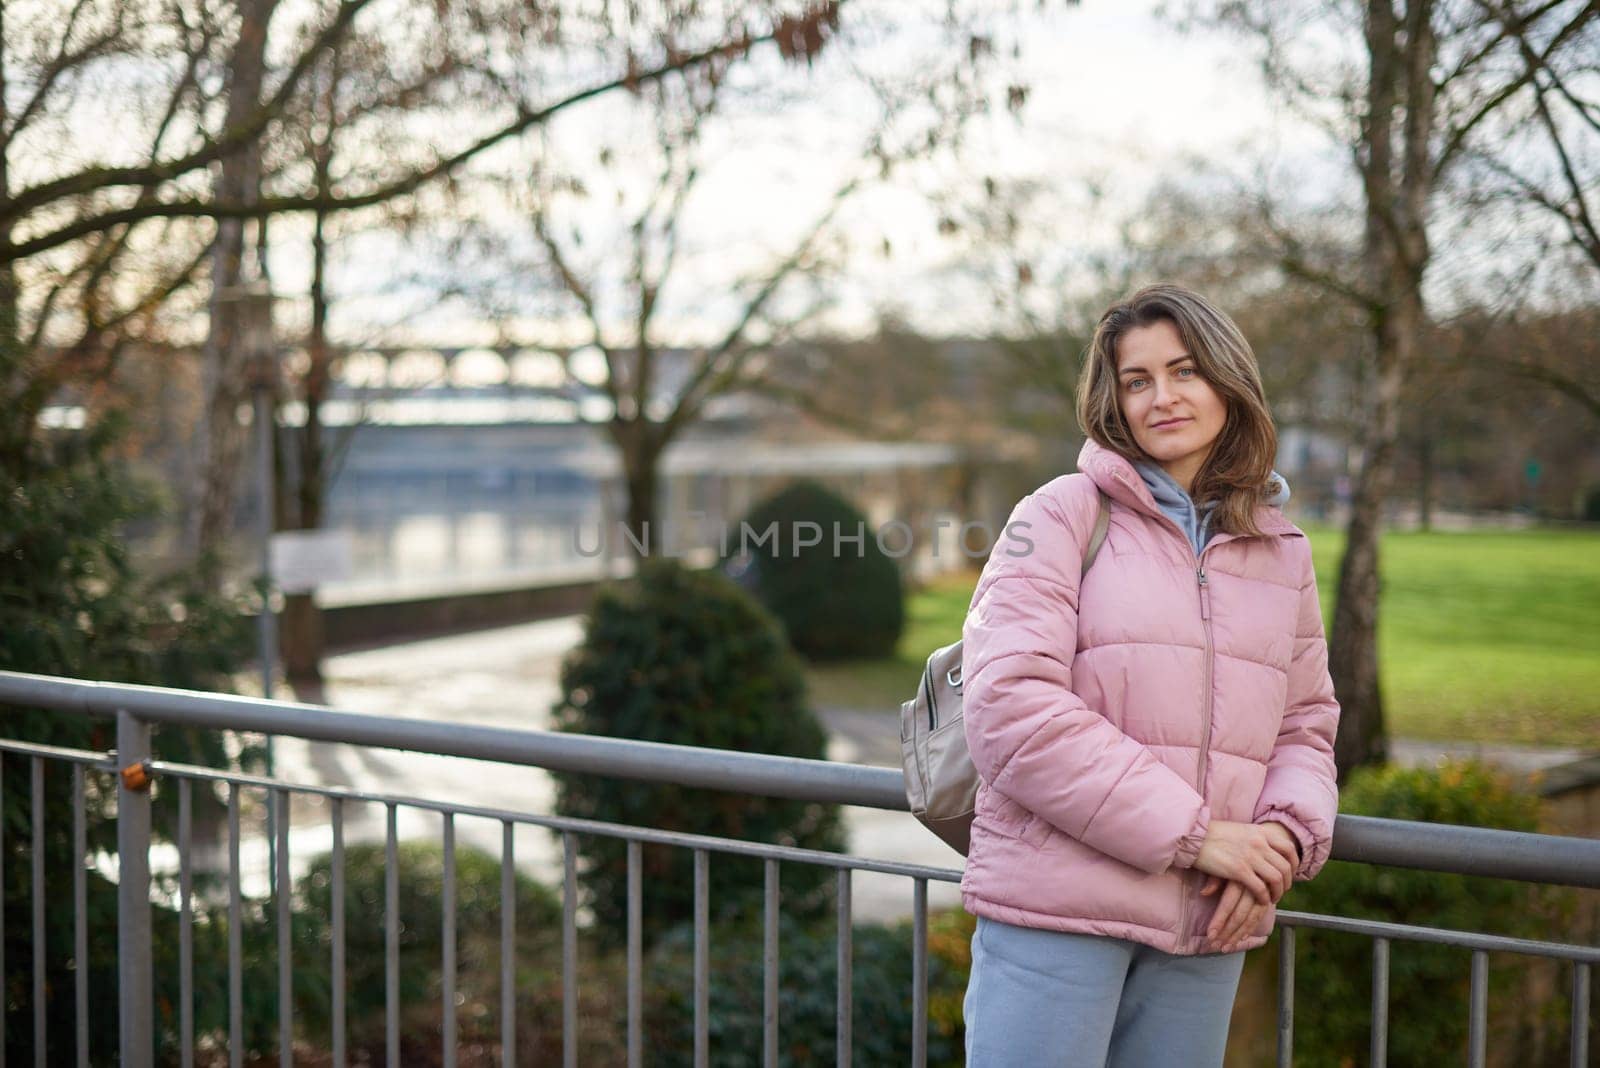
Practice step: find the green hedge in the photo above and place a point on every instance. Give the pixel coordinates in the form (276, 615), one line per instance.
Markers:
(74, 602)
(421, 883)
(834, 605)
(1428, 984)
(881, 1021)
(688, 658)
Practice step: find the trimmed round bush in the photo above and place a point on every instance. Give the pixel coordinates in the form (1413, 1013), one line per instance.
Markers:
(837, 599)
(688, 658)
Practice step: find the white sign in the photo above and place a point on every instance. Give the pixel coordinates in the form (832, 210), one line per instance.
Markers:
(302, 560)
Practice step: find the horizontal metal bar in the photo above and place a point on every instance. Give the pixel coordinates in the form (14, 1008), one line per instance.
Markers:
(103, 761)
(716, 769)
(561, 823)
(1365, 839)
(1405, 932)
(1442, 847)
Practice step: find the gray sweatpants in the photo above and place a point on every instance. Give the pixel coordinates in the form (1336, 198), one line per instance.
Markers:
(1045, 999)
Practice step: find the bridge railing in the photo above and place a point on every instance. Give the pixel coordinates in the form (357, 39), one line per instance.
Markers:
(1534, 858)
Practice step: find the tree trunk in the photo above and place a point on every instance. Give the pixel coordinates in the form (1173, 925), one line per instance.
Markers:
(1425, 481)
(1400, 99)
(303, 639)
(639, 446)
(221, 444)
(303, 635)
(1353, 644)
(15, 434)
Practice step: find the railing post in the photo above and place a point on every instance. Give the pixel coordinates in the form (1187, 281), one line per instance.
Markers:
(135, 1005)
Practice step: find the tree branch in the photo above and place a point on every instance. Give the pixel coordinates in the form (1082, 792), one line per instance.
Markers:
(709, 377)
(232, 139)
(585, 298)
(1457, 137)
(273, 205)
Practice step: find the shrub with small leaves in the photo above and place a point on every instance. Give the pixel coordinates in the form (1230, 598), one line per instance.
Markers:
(688, 658)
(836, 601)
(808, 972)
(74, 601)
(1428, 984)
(420, 891)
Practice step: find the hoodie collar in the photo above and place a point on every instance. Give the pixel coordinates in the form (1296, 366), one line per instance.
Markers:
(1121, 481)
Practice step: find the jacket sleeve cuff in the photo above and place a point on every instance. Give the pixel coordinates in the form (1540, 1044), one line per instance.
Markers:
(1189, 844)
(1303, 838)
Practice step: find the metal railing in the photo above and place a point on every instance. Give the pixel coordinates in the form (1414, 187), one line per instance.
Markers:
(1439, 848)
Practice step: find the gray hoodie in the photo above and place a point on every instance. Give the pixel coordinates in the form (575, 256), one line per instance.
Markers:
(1194, 520)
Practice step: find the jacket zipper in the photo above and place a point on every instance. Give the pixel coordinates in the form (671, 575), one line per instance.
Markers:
(1203, 584)
(1205, 722)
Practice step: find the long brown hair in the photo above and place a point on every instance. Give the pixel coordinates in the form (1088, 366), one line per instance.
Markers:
(1238, 472)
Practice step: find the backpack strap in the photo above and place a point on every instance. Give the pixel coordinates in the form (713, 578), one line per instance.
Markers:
(1102, 522)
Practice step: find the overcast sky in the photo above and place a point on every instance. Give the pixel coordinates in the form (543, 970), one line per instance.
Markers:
(1118, 98)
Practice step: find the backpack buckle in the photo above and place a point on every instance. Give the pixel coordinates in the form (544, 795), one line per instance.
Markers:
(953, 677)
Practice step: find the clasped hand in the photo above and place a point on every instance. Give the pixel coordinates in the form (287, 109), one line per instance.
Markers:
(1252, 864)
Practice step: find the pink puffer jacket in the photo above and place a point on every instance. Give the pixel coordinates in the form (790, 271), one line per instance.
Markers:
(1111, 723)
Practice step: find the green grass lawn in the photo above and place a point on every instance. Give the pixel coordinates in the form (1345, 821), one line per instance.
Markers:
(1485, 636)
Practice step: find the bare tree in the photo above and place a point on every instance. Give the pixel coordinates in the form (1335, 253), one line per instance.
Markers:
(213, 105)
(1546, 167)
(614, 247)
(1410, 89)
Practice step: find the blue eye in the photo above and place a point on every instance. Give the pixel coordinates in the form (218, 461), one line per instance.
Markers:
(1186, 371)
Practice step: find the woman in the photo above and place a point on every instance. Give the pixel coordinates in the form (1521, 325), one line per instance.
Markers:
(1154, 735)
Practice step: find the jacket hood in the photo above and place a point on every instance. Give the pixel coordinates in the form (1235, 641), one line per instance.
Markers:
(1122, 482)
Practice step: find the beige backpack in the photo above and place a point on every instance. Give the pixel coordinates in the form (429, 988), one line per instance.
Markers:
(941, 783)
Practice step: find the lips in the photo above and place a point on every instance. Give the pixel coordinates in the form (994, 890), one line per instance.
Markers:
(1170, 424)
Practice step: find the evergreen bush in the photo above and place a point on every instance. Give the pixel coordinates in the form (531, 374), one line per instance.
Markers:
(835, 603)
(74, 602)
(420, 893)
(687, 658)
(1428, 984)
(881, 995)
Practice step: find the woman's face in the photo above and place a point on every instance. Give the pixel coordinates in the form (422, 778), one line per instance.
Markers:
(1174, 413)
